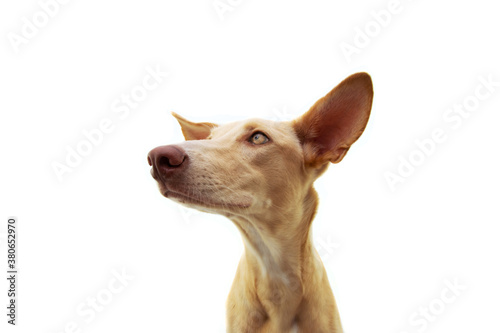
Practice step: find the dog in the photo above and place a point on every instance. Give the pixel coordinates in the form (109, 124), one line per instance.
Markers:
(260, 174)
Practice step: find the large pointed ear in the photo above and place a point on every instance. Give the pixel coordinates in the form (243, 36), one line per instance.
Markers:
(336, 121)
(194, 131)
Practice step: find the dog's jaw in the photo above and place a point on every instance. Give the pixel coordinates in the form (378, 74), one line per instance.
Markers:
(190, 196)
(201, 202)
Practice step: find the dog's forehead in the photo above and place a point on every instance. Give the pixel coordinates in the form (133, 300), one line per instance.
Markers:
(270, 127)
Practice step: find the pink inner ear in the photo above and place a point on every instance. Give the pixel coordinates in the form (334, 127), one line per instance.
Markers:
(337, 120)
(342, 119)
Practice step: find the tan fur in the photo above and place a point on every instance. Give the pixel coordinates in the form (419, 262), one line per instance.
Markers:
(267, 191)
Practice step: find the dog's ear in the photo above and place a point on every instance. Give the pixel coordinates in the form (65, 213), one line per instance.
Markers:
(194, 131)
(336, 121)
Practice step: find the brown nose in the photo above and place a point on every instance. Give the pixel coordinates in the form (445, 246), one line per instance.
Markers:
(167, 159)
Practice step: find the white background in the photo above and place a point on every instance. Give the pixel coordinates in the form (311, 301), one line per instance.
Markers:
(388, 252)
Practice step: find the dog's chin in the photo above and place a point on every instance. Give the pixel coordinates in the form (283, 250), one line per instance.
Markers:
(203, 203)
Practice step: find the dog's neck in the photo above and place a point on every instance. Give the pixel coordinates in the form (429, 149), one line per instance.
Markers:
(279, 257)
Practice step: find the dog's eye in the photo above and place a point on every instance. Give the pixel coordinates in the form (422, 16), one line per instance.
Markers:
(258, 138)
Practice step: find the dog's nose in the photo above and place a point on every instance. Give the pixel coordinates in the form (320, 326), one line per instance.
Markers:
(167, 158)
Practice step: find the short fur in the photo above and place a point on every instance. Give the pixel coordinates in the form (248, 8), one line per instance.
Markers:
(266, 189)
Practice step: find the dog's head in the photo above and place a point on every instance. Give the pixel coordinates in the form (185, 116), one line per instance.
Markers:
(249, 167)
